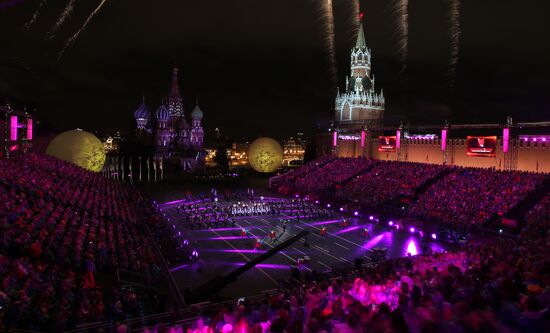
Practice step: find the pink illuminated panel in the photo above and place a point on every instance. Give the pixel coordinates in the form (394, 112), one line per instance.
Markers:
(505, 139)
(29, 129)
(334, 139)
(398, 139)
(363, 136)
(13, 128)
(443, 139)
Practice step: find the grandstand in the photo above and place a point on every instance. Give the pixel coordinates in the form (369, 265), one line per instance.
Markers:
(82, 253)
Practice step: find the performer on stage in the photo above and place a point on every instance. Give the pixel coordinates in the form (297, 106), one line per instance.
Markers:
(273, 236)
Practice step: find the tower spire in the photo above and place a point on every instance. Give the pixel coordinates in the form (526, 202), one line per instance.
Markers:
(175, 89)
(361, 35)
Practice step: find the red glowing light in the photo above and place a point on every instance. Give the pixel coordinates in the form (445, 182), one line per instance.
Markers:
(361, 15)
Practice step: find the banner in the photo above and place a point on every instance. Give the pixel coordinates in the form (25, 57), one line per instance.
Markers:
(386, 143)
(484, 146)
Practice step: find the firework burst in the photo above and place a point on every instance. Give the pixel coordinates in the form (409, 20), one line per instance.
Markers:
(401, 12)
(62, 18)
(74, 37)
(327, 17)
(454, 29)
(35, 15)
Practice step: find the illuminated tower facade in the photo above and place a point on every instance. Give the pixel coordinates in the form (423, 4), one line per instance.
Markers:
(360, 105)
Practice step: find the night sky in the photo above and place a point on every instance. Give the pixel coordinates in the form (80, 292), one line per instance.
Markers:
(260, 67)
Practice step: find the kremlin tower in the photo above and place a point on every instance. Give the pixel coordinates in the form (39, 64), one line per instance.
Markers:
(360, 105)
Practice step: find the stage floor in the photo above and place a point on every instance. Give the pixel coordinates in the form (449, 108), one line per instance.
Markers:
(223, 249)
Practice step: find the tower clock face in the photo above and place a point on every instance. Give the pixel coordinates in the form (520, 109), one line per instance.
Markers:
(358, 84)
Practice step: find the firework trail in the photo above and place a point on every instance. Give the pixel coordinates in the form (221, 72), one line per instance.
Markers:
(74, 37)
(35, 15)
(401, 10)
(454, 19)
(64, 16)
(328, 21)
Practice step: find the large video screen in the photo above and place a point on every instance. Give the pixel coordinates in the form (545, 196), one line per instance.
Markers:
(386, 143)
(484, 146)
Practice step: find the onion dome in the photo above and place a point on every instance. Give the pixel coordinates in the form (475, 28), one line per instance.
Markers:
(197, 113)
(142, 112)
(163, 113)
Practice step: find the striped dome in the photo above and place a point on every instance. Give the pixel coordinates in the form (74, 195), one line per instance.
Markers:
(142, 112)
(163, 113)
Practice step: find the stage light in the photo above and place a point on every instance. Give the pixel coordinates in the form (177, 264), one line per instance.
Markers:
(421, 233)
(371, 217)
(341, 209)
(500, 230)
(434, 236)
(412, 230)
(356, 213)
(262, 198)
(328, 205)
(179, 233)
(390, 223)
(317, 201)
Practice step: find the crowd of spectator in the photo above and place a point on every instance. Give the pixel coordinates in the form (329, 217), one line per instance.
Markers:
(540, 212)
(387, 181)
(498, 286)
(331, 173)
(61, 227)
(474, 196)
(460, 195)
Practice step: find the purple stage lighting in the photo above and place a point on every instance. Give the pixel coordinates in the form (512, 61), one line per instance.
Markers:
(371, 217)
(390, 223)
(412, 230)
(356, 213)
(341, 209)
(328, 205)
(434, 236)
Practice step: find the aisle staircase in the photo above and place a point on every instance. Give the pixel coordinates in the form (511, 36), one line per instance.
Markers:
(526, 204)
(424, 187)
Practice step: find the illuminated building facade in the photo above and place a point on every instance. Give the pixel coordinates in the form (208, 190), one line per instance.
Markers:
(174, 135)
(16, 131)
(294, 149)
(238, 155)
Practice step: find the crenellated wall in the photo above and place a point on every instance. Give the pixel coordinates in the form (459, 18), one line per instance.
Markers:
(530, 156)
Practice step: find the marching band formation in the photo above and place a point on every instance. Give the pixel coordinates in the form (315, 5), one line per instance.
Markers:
(214, 214)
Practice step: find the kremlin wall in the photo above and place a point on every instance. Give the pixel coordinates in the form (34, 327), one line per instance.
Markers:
(525, 153)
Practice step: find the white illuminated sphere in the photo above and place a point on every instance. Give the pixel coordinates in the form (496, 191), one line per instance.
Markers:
(78, 147)
(265, 155)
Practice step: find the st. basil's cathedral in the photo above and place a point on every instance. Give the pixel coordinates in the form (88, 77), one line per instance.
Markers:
(174, 136)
